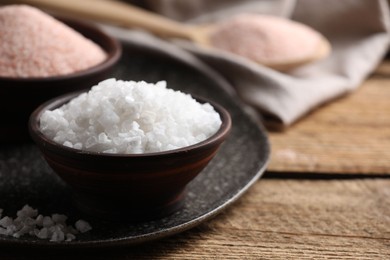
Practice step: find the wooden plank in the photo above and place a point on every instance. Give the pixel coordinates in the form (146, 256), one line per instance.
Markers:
(293, 219)
(349, 136)
(279, 219)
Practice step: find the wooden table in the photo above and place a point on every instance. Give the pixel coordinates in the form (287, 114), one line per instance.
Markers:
(326, 193)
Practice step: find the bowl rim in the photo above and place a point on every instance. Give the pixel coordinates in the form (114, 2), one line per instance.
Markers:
(113, 51)
(43, 141)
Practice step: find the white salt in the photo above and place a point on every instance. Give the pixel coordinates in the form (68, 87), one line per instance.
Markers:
(47, 221)
(27, 211)
(54, 228)
(59, 218)
(6, 221)
(82, 226)
(130, 117)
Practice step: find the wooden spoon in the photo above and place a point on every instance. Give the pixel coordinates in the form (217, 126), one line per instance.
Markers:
(126, 15)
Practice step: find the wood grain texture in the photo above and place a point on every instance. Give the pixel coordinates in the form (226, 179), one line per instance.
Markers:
(279, 219)
(350, 135)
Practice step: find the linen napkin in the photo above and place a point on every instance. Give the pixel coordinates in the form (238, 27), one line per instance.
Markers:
(358, 31)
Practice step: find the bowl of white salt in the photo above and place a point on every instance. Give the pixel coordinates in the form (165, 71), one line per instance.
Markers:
(128, 149)
(43, 57)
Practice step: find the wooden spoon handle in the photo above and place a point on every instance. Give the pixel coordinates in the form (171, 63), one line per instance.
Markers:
(118, 13)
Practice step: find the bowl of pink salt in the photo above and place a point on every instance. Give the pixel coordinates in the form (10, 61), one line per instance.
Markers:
(42, 57)
(128, 149)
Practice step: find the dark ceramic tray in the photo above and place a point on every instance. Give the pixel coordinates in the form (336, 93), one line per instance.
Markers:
(25, 178)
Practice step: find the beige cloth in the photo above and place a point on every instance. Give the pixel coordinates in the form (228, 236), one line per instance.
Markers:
(357, 30)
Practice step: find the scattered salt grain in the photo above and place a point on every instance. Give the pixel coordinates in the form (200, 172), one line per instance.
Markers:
(6, 221)
(54, 228)
(266, 39)
(47, 221)
(130, 117)
(59, 218)
(34, 44)
(82, 226)
(27, 211)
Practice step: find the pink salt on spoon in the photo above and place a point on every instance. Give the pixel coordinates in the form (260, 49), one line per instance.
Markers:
(275, 42)
(34, 44)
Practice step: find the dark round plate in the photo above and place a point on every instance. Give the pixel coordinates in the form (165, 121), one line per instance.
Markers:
(25, 178)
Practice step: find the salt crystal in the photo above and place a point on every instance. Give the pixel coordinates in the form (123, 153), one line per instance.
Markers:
(130, 117)
(47, 221)
(82, 226)
(27, 211)
(43, 233)
(39, 220)
(6, 222)
(11, 229)
(56, 234)
(3, 231)
(53, 228)
(34, 44)
(78, 146)
(70, 237)
(59, 218)
(68, 144)
(29, 221)
(24, 230)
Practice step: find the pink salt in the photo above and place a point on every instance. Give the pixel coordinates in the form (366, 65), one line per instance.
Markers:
(266, 39)
(34, 44)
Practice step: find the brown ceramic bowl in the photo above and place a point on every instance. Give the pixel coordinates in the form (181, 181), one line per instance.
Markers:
(20, 96)
(127, 186)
